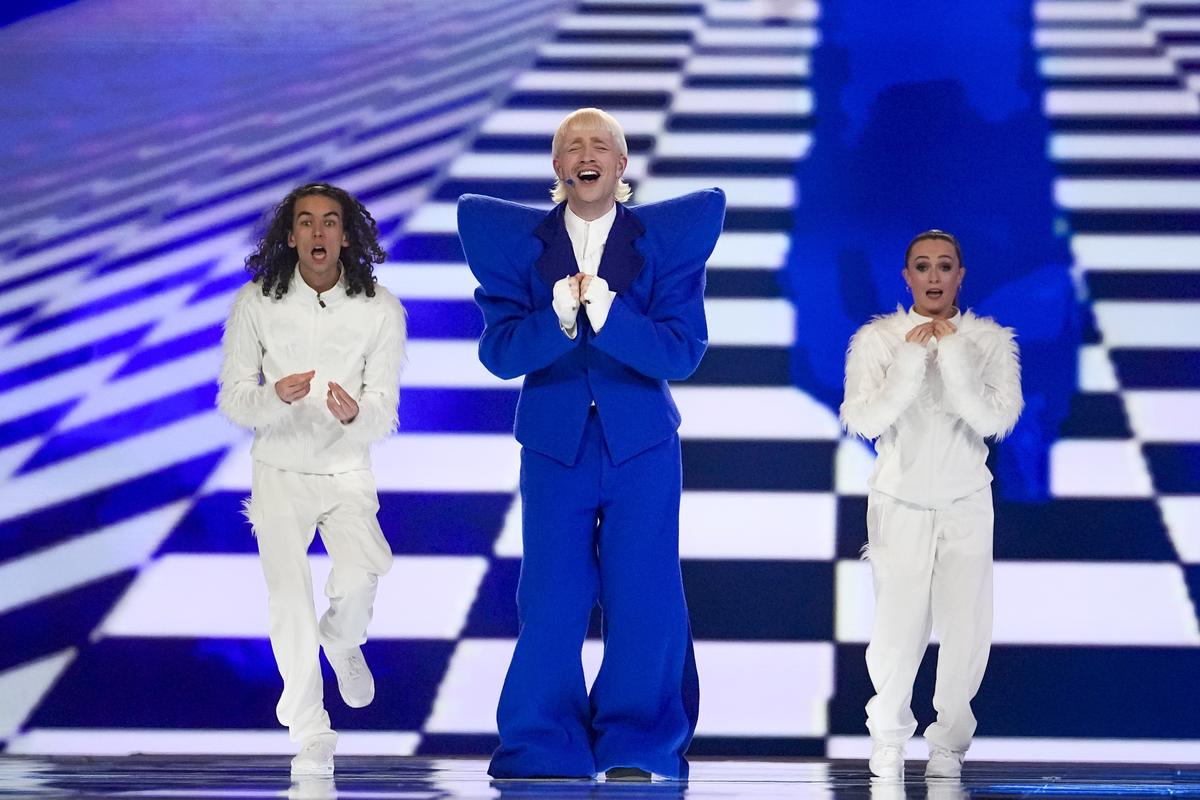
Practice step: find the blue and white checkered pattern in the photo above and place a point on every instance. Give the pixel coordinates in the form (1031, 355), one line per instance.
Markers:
(131, 601)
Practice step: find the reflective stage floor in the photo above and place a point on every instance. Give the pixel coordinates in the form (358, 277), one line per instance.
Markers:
(380, 778)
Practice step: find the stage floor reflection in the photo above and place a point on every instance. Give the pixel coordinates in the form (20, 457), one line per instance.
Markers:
(411, 777)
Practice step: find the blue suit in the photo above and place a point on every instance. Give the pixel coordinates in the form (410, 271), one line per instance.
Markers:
(600, 480)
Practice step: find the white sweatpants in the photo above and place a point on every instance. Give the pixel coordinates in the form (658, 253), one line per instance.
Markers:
(285, 508)
(932, 569)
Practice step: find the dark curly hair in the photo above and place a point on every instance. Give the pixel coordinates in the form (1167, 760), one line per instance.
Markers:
(273, 261)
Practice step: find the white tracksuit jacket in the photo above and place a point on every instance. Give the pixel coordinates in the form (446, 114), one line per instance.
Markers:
(929, 513)
(930, 407)
(357, 342)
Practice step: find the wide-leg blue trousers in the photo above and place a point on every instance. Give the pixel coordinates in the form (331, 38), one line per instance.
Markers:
(599, 531)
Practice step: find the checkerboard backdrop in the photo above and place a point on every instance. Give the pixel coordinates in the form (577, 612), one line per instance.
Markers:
(131, 603)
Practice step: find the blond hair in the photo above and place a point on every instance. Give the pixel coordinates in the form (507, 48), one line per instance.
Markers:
(591, 118)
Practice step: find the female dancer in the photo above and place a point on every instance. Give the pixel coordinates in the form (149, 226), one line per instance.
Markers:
(929, 384)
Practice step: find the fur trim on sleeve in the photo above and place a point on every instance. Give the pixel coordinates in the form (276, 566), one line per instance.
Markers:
(882, 380)
(241, 396)
(981, 373)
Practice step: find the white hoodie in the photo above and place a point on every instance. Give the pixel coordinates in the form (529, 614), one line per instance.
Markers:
(930, 407)
(356, 342)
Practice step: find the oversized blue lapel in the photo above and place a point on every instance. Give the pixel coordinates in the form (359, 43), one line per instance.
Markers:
(557, 260)
(621, 261)
(619, 265)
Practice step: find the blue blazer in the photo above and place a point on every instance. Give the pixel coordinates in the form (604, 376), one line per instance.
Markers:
(656, 331)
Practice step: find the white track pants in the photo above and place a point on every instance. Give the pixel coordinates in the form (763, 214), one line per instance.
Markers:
(285, 508)
(932, 569)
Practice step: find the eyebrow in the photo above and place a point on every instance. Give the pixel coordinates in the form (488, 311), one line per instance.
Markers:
(326, 214)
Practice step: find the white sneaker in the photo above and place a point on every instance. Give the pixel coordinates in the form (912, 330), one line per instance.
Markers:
(312, 787)
(354, 678)
(887, 761)
(944, 763)
(316, 756)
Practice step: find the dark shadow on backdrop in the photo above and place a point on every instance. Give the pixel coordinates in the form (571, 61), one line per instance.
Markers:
(929, 116)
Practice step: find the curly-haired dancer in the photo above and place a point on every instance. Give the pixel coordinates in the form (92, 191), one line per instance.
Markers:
(312, 314)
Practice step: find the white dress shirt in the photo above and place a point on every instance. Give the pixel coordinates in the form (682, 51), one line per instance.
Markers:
(587, 241)
(588, 238)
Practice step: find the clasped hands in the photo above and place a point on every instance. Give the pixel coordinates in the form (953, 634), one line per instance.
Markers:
(594, 293)
(293, 387)
(934, 329)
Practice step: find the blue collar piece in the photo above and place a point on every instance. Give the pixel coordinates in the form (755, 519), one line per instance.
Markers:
(619, 265)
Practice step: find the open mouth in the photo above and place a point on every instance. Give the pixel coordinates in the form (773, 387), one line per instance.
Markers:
(933, 293)
(318, 253)
(589, 175)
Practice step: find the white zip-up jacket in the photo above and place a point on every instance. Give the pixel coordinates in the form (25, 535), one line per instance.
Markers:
(356, 342)
(930, 407)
